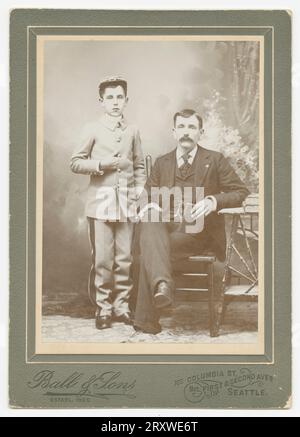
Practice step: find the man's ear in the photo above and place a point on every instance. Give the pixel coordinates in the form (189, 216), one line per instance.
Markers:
(126, 99)
(174, 132)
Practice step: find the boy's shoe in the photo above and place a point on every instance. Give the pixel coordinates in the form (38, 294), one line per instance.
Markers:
(103, 322)
(124, 318)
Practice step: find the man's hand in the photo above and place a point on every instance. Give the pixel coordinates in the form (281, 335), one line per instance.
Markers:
(205, 206)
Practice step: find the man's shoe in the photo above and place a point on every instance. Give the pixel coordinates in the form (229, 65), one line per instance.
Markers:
(163, 296)
(103, 322)
(124, 318)
(155, 329)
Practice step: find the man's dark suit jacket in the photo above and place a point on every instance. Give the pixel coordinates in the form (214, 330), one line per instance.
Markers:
(217, 177)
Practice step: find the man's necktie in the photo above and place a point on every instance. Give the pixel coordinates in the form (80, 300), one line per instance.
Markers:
(186, 166)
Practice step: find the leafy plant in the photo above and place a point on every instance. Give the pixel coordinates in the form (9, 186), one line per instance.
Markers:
(227, 140)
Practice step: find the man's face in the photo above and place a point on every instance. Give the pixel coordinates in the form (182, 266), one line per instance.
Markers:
(187, 131)
(114, 101)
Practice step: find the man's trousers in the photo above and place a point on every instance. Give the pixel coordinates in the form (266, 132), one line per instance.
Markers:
(161, 245)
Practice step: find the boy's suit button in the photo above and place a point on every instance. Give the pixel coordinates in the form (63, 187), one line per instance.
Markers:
(119, 170)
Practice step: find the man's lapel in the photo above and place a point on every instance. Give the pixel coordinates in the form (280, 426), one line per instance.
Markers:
(169, 168)
(202, 164)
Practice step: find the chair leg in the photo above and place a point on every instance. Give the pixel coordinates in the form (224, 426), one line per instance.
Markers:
(211, 302)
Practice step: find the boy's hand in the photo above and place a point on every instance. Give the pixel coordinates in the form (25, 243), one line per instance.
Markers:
(109, 163)
(114, 163)
(123, 163)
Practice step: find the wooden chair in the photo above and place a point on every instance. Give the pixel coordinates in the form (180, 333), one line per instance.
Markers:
(194, 276)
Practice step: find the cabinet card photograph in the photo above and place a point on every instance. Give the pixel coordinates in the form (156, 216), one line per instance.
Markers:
(152, 241)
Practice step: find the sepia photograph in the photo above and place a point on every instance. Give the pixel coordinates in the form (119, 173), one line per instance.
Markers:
(148, 193)
(150, 209)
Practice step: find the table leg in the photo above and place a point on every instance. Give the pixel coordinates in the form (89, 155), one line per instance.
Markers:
(220, 310)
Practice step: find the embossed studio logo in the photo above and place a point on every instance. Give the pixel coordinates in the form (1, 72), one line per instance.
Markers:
(193, 392)
(240, 383)
(105, 385)
(196, 391)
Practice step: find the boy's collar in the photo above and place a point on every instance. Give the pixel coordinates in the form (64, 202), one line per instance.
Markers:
(112, 122)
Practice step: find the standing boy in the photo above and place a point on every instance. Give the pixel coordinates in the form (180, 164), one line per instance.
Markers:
(110, 152)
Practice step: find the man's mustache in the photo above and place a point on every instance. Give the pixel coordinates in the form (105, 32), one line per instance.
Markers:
(186, 139)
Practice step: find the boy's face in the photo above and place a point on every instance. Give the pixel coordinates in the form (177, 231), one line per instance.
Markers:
(114, 101)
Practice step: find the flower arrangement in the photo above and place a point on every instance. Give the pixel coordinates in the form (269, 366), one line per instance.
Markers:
(227, 140)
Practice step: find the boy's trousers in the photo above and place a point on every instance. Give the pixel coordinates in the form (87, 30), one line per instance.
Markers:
(110, 282)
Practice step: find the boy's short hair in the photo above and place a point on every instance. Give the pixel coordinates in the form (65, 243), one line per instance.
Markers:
(188, 113)
(113, 82)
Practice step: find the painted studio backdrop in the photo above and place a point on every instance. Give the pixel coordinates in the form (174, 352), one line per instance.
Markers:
(218, 79)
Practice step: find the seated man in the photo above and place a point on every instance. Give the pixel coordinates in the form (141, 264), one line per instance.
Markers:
(161, 242)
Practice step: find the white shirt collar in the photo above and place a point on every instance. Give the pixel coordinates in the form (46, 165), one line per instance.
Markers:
(180, 151)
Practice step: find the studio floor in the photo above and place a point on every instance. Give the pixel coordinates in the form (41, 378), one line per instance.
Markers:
(183, 324)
